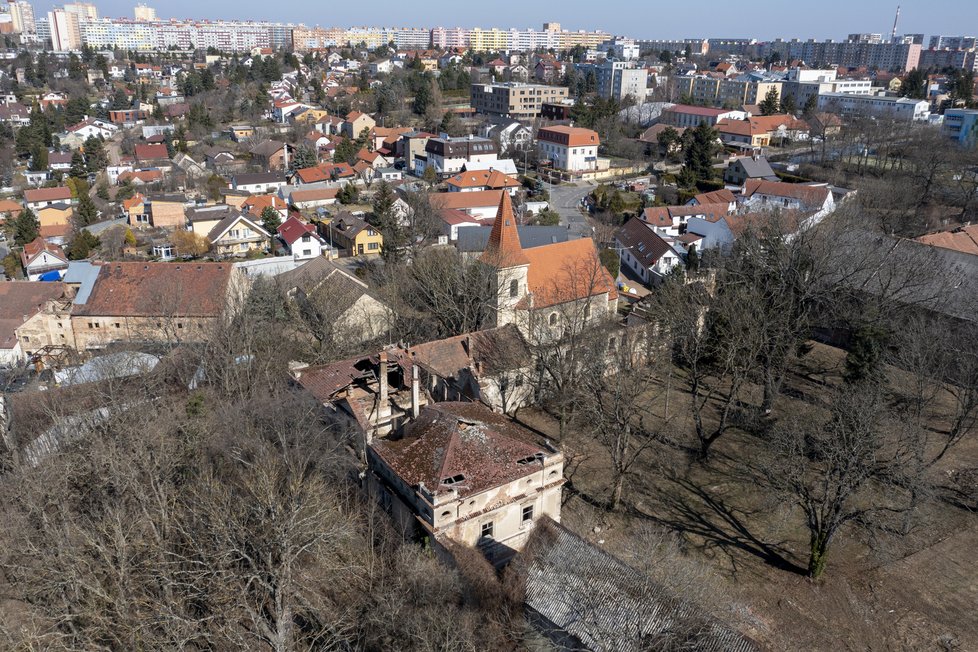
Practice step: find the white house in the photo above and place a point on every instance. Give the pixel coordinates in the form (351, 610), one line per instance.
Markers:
(301, 239)
(815, 199)
(574, 149)
(449, 155)
(899, 108)
(649, 255)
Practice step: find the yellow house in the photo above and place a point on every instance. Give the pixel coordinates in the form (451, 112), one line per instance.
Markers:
(136, 210)
(355, 236)
(54, 215)
(311, 116)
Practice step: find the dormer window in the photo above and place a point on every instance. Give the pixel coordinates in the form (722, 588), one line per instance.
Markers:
(530, 459)
(454, 480)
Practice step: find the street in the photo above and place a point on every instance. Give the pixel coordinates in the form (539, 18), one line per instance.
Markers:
(566, 200)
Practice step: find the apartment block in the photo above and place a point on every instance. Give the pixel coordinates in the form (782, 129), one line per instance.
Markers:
(515, 100)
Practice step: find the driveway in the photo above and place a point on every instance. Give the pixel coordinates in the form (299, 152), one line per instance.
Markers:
(566, 200)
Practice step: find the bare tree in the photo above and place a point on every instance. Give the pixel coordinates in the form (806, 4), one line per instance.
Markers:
(828, 466)
(616, 391)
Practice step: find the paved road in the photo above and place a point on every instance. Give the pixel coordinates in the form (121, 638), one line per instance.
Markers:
(566, 200)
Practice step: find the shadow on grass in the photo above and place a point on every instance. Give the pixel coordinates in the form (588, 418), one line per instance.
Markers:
(693, 511)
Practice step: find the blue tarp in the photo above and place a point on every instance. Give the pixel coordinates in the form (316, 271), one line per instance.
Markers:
(53, 275)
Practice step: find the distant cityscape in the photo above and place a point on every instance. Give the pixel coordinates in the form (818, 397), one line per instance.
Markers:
(76, 25)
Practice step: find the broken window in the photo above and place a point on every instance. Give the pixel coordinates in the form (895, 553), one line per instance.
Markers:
(527, 513)
(530, 459)
(486, 530)
(455, 479)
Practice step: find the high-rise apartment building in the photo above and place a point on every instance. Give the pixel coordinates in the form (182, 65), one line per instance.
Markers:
(65, 30)
(22, 16)
(84, 10)
(953, 43)
(620, 79)
(142, 12)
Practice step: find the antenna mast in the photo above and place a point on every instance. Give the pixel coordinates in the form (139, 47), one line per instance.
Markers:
(895, 21)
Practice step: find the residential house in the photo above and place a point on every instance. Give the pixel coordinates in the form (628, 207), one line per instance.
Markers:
(355, 123)
(353, 234)
(511, 135)
(41, 197)
(203, 219)
(59, 161)
(136, 210)
(814, 199)
(272, 154)
(127, 118)
(345, 303)
(136, 302)
(167, 211)
(649, 255)
(573, 149)
(55, 220)
(300, 238)
(313, 198)
(480, 204)
(748, 168)
(29, 320)
(483, 180)
(449, 155)
(673, 220)
(152, 154)
(722, 196)
(40, 259)
(260, 182)
(237, 235)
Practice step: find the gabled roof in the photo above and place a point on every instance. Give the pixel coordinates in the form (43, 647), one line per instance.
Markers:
(151, 152)
(567, 271)
(158, 290)
(463, 200)
(293, 228)
(460, 439)
(642, 242)
(221, 228)
(39, 246)
(722, 196)
(809, 196)
(964, 239)
(61, 193)
(581, 593)
(21, 300)
(490, 179)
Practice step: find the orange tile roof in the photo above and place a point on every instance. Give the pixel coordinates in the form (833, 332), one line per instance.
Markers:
(964, 239)
(569, 136)
(567, 271)
(491, 179)
(504, 249)
(463, 200)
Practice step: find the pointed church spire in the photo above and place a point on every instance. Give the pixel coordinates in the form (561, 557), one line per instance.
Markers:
(504, 249)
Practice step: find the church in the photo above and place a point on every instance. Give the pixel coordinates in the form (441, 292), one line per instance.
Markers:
(545, 291)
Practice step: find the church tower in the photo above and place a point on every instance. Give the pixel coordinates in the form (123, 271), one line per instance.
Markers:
(505, 256)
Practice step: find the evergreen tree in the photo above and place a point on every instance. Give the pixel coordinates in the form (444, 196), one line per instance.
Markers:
(270, 220)
(304, 157)
(789, 105)
(702, 148)
(79, 170)
(771, 103)
(26, 227)
(915, 84)
(81, 245)
(811, 105)
(86, 213)
(383, 204)
(39, 158)
(348, 194)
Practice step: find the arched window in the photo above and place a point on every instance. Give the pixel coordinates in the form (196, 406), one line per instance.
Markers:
(587, 312)
(514, 288)
(553, 319)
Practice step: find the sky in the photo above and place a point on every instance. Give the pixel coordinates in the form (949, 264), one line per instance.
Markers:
(761, 19)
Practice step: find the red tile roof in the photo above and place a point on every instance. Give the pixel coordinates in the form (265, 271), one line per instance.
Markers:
(159, 290)
(151, 152)
(461, 439)
(292, 229)
(21, 300)
(567, 271)
(61, 193)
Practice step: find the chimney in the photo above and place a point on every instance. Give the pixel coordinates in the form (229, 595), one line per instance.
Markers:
(415, 391)
(383, 379)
